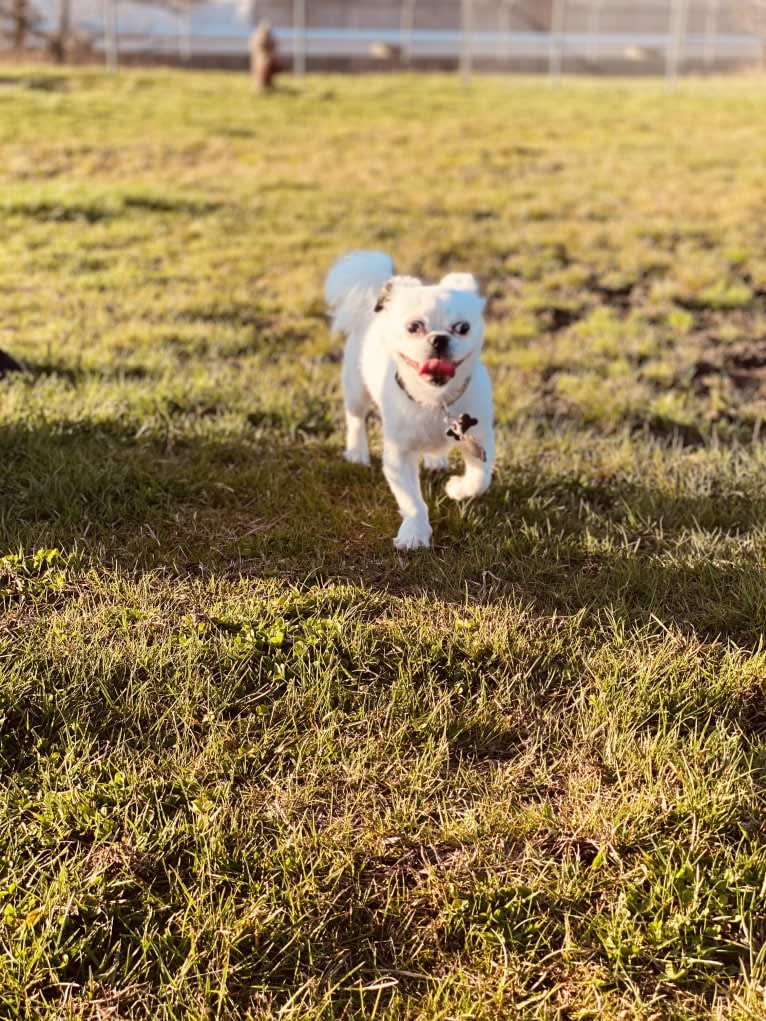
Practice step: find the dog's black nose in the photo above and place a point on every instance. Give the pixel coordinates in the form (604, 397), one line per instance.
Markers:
(439, 342)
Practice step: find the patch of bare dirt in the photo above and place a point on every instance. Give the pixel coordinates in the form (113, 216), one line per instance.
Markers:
(743, 365)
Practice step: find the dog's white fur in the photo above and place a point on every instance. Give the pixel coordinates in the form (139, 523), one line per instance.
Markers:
(414, 411)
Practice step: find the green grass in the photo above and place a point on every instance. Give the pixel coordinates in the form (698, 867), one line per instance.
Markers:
(256, 764)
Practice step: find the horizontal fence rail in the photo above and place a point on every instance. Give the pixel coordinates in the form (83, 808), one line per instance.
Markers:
(573, 35)
(359, 43)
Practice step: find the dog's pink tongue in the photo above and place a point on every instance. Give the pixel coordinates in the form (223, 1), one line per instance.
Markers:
(437, 367)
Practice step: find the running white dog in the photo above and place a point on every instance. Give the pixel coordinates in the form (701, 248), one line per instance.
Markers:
(413, 353)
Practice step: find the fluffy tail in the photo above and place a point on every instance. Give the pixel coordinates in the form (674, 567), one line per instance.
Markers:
(352, 287)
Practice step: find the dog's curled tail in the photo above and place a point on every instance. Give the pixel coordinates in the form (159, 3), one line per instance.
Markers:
(353, 285)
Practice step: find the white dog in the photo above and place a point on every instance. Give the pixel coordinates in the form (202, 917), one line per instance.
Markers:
(413, 353)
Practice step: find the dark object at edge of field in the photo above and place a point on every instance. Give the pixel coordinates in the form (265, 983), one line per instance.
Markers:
(8, 364)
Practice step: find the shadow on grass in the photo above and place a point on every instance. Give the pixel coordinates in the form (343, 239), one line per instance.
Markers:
(96, 209)
(8, 364)
(266, 502)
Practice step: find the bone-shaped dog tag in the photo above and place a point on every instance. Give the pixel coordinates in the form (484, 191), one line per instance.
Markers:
(460, 426)
(457, 431)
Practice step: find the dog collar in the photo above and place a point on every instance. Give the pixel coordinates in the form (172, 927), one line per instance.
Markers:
(457, 429)
(424, 404)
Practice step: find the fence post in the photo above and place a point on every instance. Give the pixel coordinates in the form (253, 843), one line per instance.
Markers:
(406, 27)
(184, 35)
(466, 42)
(504, 29)
(299, 37)
(678, 10)
(111, 53)
(64, 30)
(594, 30)
(555, 55)
(711, 34)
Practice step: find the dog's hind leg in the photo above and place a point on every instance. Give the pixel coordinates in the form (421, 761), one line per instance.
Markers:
(358, 404)
(435, 462)
(357, 450)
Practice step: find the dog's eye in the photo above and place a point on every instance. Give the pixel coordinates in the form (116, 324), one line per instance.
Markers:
(461, 328)
(416, 326)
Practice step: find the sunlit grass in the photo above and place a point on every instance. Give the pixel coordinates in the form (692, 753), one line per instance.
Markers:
(255, 763)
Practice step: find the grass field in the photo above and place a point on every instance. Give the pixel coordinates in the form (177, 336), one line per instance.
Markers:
(255, 764)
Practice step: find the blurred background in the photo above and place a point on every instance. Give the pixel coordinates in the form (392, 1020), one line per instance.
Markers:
(546, 36)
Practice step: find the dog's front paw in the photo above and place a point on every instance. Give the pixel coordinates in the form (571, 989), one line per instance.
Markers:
(413, 534)
(357, 456)
(463, 487)
(435, 463)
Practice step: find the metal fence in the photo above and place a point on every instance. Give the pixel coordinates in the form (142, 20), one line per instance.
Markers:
(557, 36)
(578, 35)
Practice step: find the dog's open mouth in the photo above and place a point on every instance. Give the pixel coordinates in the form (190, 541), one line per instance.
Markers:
(438, 371)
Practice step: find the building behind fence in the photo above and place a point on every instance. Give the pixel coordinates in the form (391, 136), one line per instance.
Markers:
(573, 36)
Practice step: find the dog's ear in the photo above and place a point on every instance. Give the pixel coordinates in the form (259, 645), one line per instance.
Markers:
(460, 282)
(384, 296)
(388, 289)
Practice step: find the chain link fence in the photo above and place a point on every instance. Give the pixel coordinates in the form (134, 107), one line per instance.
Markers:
(578, 36)
(668, 37)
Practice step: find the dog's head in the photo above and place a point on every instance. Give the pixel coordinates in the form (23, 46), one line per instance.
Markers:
(434, 332)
